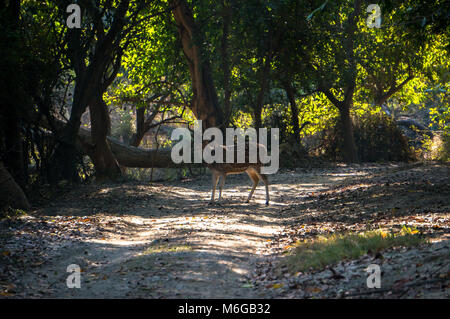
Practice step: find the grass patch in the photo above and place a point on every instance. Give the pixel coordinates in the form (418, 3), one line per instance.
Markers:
(327, 250)
(166, 249)
(11, 213)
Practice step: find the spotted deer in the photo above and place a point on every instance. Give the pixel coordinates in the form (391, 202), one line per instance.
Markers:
(253, 170)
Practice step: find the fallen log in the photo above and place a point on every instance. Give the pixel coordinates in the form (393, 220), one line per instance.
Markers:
(130, 156)
(127, 155)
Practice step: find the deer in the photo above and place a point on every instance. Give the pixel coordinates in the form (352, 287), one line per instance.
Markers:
(253, 170)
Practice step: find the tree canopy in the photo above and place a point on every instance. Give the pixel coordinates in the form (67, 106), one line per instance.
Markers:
(302, 66)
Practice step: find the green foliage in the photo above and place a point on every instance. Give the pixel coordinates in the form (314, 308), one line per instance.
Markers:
(242, 119)
(304, 41)
(153, 66)
(124, 125)
(445, 148)
(438, 100)
(306, 44)
(317, 110)
(29, 51)
(436, 148)
(377, 138)
(327, 250)
(11, 213)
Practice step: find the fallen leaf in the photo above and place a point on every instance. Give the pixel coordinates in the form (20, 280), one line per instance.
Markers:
(277, 286)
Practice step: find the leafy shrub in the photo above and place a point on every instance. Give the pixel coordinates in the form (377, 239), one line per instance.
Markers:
(436, 148)
(123, 125)
(445, 150)
(293, 155)
(377, 138)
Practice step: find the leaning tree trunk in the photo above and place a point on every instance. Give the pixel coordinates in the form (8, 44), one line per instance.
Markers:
(130, 156)
(106, 165)
(126, 155)
(11, 195)
(382, 96)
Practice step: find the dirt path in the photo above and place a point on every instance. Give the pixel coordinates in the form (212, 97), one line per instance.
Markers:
(157, 241)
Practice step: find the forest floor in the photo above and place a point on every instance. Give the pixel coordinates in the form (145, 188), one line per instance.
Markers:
(163, 240)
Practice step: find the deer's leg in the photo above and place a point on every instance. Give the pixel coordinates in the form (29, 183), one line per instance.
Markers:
(255, 180)
(266, 183)
(222, 182)
(215, 179)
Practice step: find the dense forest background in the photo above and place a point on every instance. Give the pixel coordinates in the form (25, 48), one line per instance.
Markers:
(102, 99)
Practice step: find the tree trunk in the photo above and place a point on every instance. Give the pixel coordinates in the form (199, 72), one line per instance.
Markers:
(91, 78)
(129, 156)
(126, 155)
(263, 80)
(382, 96)
(105, 163)
(65, 156)
(142, 125)
(226, 16)
(257, 119)
(349, 148)
(140, 120)
(205, 104)
(294, 110)
(14, 155)
(13, 105)
(349, 152)
(11, 194)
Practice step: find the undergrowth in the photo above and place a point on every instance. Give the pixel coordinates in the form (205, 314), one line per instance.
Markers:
(327, 250)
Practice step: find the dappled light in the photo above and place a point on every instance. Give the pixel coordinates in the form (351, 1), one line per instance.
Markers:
(174, 243)
(180, 149)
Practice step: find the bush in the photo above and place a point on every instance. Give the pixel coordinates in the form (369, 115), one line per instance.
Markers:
(377, 138)
(293, 155)
(445, 151)
(436, 148)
